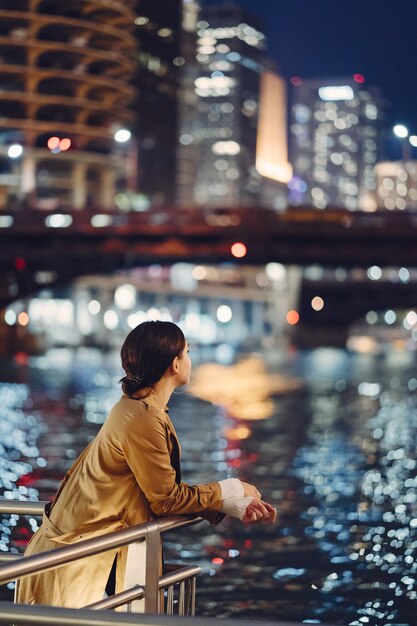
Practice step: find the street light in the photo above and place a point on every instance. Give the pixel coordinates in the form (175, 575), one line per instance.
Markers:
(122, 135)
(401, 132)
(15, 151)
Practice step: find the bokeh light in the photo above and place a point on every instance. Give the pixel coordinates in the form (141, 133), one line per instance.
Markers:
(276, 271)
(23, 318)
(10, 317)
(53, 143)
(65, 144)
(390, 317)
(238, 250)
(125, 297)
(317, 303)
(94, 307)
(122, 135)
(15, 151)
(359, 78)
(400, 131)
(20, 263)
(374, 272)
(224, 313)
(111, 319)
(293, 317)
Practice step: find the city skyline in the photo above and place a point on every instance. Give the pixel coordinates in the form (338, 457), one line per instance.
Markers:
(239, 126)
(325, 39)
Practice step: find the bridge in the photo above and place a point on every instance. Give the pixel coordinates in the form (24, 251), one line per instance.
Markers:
(43, 250)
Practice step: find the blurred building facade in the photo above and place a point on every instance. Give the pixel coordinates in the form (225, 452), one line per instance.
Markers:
(397, 185)
(225, 157)
(212, 304)
(65, 73)
(335, 142)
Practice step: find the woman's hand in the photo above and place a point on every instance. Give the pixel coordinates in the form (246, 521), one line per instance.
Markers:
(259, 511)
(250, 490)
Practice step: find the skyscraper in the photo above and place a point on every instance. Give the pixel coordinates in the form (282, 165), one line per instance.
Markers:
(335, 143)
(64, 72)
(187, 149)
(160, 34)
(236, 93)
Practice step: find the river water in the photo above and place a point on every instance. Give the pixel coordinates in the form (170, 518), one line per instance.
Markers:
(335, 451)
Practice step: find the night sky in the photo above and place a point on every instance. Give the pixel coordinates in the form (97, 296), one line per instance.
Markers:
(326, 38)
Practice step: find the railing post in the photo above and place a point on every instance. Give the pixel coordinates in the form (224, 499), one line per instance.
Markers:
(153, 571)
(144, 567)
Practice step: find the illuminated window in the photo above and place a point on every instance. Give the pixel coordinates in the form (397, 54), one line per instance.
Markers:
(165, 32)
(371, 111)
(141, 20)
(336, 92)
(214, 86)
(331, 115)
(389, 204)
(223, 66)
(226, 148)
(302, 113)
(207, 41)
(336, 158)
(402, 189)
(340, 124)
(232, 174)
(227, 107)
(221, 165)
(206, 50)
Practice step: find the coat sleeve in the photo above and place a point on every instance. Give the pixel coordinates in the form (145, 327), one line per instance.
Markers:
(145, 446)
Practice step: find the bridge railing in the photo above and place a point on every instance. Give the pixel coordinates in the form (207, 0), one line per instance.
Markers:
(146, 591)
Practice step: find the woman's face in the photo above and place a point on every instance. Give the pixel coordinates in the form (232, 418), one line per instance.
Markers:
(184, 363)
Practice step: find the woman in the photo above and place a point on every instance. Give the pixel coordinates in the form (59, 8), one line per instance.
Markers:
(129, 474)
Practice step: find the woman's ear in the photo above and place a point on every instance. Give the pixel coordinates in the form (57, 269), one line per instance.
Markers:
(175, 366)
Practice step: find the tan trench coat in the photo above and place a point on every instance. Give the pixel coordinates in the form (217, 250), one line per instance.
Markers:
(129, 474)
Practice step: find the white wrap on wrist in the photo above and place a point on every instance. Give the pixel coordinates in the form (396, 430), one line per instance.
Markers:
(231, 487)
(234, 502)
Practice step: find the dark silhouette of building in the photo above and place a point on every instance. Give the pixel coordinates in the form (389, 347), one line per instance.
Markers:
(165, 43)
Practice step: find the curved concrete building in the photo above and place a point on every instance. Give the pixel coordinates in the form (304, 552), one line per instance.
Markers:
(65, 72)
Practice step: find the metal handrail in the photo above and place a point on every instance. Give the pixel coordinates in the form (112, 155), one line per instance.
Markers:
(10, 557)
(180, 574)
(137, 592)
(51, 616)
(118, 599)
(90, 547)
(22, 507)
(19, 507)
(36, 615)
(149, 532)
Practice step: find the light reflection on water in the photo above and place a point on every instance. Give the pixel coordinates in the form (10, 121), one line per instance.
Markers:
(337, 456)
